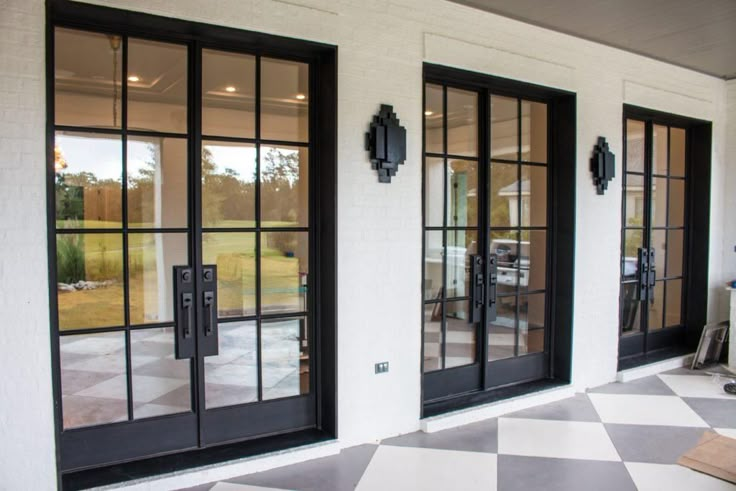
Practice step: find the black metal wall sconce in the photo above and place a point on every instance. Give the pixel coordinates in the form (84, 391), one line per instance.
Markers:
(602, 164)
(386, 143)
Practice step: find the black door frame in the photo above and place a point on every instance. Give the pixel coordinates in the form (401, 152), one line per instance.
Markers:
(173, 434)
(484, 381)
(638, 349)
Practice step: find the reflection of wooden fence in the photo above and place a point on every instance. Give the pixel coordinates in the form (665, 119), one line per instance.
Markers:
(103, 204)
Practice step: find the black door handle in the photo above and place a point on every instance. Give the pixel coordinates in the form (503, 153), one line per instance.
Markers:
(477, 290)
(651, 276)
(492, 286)
(184, 315)
(210, 316)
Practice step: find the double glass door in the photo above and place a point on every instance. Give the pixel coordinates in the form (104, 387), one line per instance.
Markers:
(183, 246)
(485, 240)
(654, 235)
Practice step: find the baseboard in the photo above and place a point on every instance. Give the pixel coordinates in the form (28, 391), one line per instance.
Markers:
(654, 368)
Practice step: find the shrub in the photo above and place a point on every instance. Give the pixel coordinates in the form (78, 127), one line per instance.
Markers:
(70, 258)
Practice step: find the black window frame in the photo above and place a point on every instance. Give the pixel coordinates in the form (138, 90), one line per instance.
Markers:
(323, 226)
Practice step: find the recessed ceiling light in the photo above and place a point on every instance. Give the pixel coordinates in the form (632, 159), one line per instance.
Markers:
(428, 113)
(301, 97)
(134, 78)
(230, 88)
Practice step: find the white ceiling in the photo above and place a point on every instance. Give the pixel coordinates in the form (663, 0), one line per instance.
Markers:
(696, 34)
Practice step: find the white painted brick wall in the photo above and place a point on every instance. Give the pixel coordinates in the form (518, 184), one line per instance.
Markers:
(382, 45)
(27, 459)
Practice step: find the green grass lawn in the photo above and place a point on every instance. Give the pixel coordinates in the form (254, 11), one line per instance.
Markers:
(234, 253)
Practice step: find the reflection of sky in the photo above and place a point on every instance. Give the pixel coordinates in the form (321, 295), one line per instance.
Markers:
(101, 155)
(241, 159)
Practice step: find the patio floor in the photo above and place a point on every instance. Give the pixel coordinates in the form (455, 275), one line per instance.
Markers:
(621, 436)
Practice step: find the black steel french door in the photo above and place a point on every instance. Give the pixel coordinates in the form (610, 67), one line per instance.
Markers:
(654, 236)
(185, 260)
(486, 238)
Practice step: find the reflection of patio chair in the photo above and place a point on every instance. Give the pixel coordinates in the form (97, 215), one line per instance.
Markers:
(631, 307)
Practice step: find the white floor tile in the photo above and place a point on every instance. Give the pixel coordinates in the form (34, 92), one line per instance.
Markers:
(645, 410)
(145, 388)
(406, 468)
(560, 439)
(729, 432)
(696, 386)
(659, 477)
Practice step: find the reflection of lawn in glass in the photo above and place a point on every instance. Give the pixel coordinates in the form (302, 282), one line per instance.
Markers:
(103, 261)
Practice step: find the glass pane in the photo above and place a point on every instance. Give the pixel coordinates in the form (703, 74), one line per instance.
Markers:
(659, 202)
(659, 244)
(157, 86)
(231, 377)
(673, 316)
(228, 184)
(462, 122)
(228, 94)
(89, 176)
(504, 195)
(677, 203)
(160, 382)
(462, 193)
(89, 270)
(461, 335)
(655, 309)
(634, 146)
(633, 240)
(433, 119)
(285, 358)
(93, 382)
(87, 79)
(634, 195)
(433, 254)
(533, 196)
(533, 260)
(284, 100)
(461, 244)
(534, 132)
(284, 187)
(234, 253)
(502, 331)
(151, 259)
(433, 196)
(505, 244)
(284, 271)
(631, 309)
(675, 245)
(531, 323)
(157, 182)
(432, 337)
(659, 150)
(504, 128)
(677, 151)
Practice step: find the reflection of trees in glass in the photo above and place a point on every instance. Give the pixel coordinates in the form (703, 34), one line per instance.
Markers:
(502, 175)
(80, 191)
(633, 237)
(225, 196)
(279, 181)
(141, 189)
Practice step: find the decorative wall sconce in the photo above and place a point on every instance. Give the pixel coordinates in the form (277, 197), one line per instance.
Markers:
(386, 143)
(602, 164)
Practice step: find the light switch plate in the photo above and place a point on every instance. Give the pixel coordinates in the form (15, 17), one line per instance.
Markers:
(382, 367)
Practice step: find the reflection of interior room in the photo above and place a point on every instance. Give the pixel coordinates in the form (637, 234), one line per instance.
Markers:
(89, 175)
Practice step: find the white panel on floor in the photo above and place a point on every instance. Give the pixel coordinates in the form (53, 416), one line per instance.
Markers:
(659, 477)
(406, 468)
(645, 410)
(559, 439)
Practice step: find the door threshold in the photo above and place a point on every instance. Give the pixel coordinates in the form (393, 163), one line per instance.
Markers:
(641, 366)
(191, 468)
(500, 402)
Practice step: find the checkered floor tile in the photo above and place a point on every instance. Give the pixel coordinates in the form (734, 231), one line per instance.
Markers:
(616, 437)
